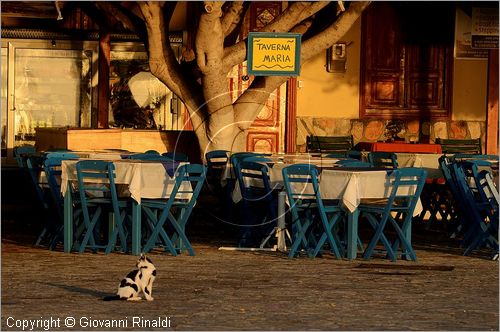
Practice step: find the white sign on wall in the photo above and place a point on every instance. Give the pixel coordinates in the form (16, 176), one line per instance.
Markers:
(484, 27)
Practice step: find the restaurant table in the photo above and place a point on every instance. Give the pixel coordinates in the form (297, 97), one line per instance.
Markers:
(399, 147)
(350, 185)
(283, 159)
(143, 179)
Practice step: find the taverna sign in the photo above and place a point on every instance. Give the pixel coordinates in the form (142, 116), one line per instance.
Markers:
(273, 54)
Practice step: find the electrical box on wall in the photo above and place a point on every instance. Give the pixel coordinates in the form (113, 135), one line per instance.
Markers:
(336, 58)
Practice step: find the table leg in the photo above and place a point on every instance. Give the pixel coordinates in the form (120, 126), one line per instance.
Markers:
(68, 219)
(136, 228)
(352, 234)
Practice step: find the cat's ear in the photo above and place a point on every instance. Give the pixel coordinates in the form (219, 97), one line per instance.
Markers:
(143, 256)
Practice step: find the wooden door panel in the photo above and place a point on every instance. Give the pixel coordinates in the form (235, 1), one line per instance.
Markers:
(385, 91)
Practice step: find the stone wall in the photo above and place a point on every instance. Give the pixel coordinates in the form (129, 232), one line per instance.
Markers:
(375, 130)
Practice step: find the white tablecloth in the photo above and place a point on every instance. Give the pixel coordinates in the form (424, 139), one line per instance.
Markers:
(428, 161)
(144, 179)
(350, 186)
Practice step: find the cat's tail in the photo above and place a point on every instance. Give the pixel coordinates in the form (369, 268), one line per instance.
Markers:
(111, 298)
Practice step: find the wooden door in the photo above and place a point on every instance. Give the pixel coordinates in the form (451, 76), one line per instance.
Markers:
(405, 70)
(267, 133)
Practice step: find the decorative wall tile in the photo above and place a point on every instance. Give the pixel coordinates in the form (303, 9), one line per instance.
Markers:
(440, 130)
(357, 131)
(458, 129)
(474, 129)
(374, 129)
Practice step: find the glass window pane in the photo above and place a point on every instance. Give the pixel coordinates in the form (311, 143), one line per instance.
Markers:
(52, 89)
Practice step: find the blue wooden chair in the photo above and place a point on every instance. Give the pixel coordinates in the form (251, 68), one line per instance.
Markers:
(406, 187)
(34, 165)
(468, 156)
(176, 156)
(454, 205)
(97, 190)
(216, 163)
(259, 202)
(149, 154)
(237, 157)
(337, 155)
(481, 210)
(53, 171)
(22, 152)
(216, 159)
(61, 155)
(167, 218)
(383, 159)
(353, 163)
(297, 180)
(354, 154)
(314, 220)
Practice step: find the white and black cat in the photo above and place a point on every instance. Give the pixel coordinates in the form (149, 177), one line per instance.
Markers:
(137, 282)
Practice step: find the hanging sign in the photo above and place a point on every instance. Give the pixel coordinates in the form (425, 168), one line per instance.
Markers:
(484, 27)
(273, 54)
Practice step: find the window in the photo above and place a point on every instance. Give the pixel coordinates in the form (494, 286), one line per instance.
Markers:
(406, 60)
(137, 98)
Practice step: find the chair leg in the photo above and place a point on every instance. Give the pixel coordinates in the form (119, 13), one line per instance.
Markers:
(327, 234)
(158, 228)
(379, 228)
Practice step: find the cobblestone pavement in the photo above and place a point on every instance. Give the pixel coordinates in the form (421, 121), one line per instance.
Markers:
(230, 290)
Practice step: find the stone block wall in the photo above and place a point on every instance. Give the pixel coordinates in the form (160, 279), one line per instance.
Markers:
(374, 130)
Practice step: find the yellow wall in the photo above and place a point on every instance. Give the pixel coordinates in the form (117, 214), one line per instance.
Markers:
(469, 90)
(334, 95)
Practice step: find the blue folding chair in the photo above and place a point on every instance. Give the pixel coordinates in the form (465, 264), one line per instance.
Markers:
(353, 163)
(216, 159)
(480, 206)
(61, 155)
(383, 159)
(306, 207)
(34, 165)
(468, 156)
(167, 219)
(298, 184)
(216, 163)
(53, 171)
(176, 156)
(337, 155)
(260, 203)
(406, 187)
(150, 154)
(21, 154)
(237, 157)
(97, 189)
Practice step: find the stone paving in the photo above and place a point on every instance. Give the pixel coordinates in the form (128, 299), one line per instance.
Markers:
(234, 290)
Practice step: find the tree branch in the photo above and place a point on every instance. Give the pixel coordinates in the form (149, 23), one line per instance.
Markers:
(293, 15)
(163, 63)
(232, 17)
